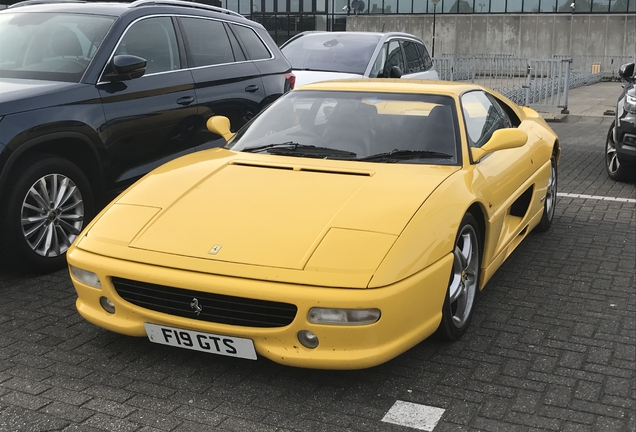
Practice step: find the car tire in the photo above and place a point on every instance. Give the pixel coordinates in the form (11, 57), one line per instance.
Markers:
(463, 285)
(49, 201)
(616, 170)
(549, 203)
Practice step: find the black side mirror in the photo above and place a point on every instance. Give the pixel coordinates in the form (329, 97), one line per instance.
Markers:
(627, 72)
(395, 72)
(125, 67)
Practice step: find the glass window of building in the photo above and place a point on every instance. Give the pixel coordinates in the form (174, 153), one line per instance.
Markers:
(420, 6)
(548, 6)
(531, 6)
(405, 6)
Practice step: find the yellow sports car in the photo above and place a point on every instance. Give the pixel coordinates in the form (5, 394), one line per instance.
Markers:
(342, 226)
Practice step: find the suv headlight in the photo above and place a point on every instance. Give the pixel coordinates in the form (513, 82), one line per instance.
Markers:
(630, 103)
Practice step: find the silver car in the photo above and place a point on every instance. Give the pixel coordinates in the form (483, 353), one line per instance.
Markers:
(322, 56)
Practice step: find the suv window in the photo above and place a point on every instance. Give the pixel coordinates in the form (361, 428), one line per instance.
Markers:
(413, 58)
(207, 42)
(426, 58)
(49, 46)
(256, 49)
(482, 117)
(394, 58)
(154, 40)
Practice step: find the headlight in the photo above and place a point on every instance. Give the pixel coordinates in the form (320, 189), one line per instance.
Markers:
(630, 103)
(318, 315)
(86, 277)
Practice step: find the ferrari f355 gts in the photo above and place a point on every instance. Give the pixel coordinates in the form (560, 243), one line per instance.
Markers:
(343, 225)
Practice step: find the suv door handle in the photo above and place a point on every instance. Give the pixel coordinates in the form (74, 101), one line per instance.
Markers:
(251, 88)
(186, 100)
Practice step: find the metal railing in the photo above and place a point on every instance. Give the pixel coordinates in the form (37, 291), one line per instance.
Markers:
(538, 83)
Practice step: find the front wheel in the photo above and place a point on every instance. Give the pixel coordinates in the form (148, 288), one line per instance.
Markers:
(49, 201)
(463, 286)
(616, 170)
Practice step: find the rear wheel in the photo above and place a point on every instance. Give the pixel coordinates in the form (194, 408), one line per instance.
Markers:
(49, 201)
(457, 311)
(616, 170)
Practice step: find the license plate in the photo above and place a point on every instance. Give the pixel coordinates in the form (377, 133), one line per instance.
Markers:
(204, 342)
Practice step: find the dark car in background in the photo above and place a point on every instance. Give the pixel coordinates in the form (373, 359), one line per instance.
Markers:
(620, 146)
(95, 95)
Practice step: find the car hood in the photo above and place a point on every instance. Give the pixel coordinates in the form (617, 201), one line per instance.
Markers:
(18, 95)
(307, 77)
(216, 210)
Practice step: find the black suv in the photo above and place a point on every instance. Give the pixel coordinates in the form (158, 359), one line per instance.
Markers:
(620, 145)
(95, 95)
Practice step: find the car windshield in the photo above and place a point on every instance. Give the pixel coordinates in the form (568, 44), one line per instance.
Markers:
(331, 52)
(49, 46)
(360, 126)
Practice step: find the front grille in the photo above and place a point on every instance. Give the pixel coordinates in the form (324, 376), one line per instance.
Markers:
(216, 308)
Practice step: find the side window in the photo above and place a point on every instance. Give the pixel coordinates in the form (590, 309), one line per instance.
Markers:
(207, 42)
(154, 40)
(394, 58)
(256, 49)
(414, 61)
(380, 61)
(507, 112)
(426, 58)
(482, 117)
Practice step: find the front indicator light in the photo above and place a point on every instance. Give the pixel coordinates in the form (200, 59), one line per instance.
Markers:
(86, 277)
(318, 315)
(630, 103)
(308, 339)
(108, 305)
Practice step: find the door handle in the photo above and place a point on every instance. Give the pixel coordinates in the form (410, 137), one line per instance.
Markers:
(186, 100)
(251, 88)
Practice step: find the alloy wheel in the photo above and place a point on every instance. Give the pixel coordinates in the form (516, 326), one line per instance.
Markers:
(52, 215)
(463, 285)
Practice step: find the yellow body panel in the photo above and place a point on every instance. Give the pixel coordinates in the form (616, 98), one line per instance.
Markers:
(315, 233)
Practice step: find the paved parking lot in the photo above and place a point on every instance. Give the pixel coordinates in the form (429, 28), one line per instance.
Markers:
(551, 347)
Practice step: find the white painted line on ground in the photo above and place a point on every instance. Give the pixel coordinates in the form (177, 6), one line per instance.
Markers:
(596, 197)
(414, 415)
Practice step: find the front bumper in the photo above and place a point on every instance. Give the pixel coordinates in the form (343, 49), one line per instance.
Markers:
(625, 137)
(410, 311)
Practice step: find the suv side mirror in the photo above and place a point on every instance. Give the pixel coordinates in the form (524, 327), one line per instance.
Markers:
(395, 72)
(627, 72)
(125, 67)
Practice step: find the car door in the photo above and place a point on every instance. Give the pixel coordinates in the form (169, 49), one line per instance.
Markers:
(152, 118)
(227, 83)
(505, 171)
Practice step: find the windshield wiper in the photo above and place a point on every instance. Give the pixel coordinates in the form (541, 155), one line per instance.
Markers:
(407, 154)
(291, 147)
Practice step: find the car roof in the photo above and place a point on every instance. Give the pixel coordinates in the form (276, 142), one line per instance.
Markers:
(397, 85)
(118, 8)
(382, 36)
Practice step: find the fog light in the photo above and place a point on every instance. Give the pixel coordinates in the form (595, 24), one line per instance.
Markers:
(308, 339)
(107, 305)
(86, 277)
(343, 316)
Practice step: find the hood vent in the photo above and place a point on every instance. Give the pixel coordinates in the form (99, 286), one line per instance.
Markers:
(306, 169)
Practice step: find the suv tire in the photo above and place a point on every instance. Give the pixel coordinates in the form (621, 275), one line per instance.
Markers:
(49, 201)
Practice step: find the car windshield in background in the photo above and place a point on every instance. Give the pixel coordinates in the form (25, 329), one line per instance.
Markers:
(365, 126)
(49, 46)
(331, 53)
